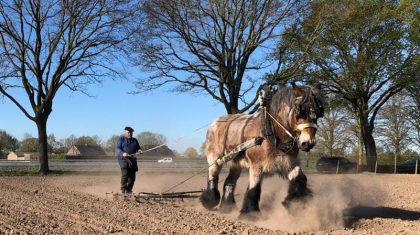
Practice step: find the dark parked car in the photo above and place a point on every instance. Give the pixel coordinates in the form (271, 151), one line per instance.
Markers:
(409, 166)
(330, 164)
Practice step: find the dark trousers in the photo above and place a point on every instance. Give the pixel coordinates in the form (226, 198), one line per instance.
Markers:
(128, 174)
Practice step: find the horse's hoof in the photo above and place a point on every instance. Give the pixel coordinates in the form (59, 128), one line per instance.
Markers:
(286, 204)
(296, 204)
(291, 206)
(210, 198)
(250, 216)
(227, 207)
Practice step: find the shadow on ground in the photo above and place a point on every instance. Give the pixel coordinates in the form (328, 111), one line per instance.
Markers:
(354, 214)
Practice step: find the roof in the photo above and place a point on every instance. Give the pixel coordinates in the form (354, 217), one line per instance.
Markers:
(18, 153)
(161, 151)
(86, 150)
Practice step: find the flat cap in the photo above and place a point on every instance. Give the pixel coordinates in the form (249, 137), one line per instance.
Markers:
(127, 128)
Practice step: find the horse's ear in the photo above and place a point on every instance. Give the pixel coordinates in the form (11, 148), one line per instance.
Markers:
(297, 90)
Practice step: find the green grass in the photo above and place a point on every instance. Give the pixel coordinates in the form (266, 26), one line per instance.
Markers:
(56, 156)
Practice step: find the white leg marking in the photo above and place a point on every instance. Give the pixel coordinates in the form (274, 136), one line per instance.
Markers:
(293, 173)
(213, 171)
(254, 178)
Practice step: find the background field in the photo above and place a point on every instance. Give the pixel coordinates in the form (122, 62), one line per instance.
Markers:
(85, 202)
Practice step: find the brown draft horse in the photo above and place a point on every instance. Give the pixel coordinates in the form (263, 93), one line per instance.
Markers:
(288, 123)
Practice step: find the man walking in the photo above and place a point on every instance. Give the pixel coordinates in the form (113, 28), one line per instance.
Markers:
(125, 149)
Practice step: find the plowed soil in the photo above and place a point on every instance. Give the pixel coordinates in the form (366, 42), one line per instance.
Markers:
(89, 204)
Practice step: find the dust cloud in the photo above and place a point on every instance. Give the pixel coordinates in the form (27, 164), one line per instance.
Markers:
(333, 196)
(327, 209)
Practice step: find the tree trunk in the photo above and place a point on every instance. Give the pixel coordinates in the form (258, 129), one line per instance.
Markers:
(370, 148)
(395, 163)
(43, 145)
(397, 151)
(368, 141)
(231, 109)
(360, 149)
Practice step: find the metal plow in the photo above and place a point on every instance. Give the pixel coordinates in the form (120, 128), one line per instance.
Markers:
(185, 194)
(147, 196)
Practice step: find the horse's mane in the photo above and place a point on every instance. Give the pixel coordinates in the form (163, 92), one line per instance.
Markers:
(311, 98)
(281, 97)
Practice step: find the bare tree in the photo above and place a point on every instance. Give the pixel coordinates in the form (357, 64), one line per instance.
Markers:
(69, 141)
(332, 136)
(151, 139)
(47, 44)
(111, 143)
(212, 47)
(88, 140)
(191, 152)
(358, 145)
(393, 126)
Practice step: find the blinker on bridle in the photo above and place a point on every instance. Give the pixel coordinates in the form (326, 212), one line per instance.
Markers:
(303, 126)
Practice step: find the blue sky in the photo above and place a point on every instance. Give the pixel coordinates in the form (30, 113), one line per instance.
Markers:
(170, 114)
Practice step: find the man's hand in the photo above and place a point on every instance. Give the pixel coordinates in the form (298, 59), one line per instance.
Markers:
(125, 154)
(140, 151)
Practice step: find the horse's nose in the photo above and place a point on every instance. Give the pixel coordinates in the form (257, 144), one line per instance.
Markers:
(304, 146)
(307, 145)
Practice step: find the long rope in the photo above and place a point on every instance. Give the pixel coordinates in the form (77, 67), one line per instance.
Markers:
(176, 139)
(159, 146)
(185, 180)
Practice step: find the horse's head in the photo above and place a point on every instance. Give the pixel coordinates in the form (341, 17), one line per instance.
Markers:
(307, 107)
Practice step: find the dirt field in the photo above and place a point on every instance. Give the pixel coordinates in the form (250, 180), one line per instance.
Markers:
(85, 204)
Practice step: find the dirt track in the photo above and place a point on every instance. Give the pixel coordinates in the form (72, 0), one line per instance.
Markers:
(84, 204)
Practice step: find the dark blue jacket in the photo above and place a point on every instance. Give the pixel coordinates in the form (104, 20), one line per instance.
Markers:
(127, 145)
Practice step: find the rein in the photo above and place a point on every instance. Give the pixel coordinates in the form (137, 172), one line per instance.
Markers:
(299, 127)
(278, 123)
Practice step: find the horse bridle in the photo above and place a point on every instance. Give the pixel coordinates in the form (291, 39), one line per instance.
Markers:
(299, 127)
(303, 126)
(289, 147)
(306, 125)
